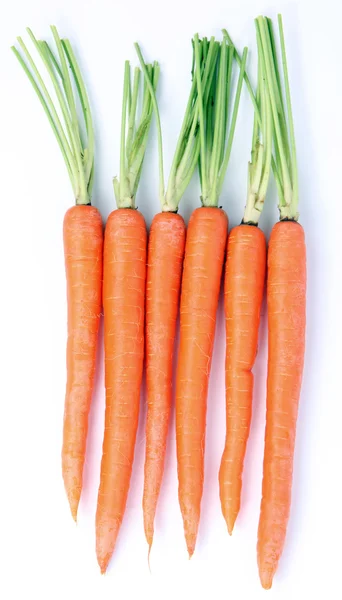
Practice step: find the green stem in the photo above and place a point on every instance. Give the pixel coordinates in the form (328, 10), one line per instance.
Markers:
(134, 141)
(124, 200)
(261, 155)
(281, 141)
(159, 131)
(201, 117)
(53, 120)
(68, 89)
(293, 154)
(220, 111)
(233, 122)
(257, 115)
(84, 100)
(78, 157)
(132, 109)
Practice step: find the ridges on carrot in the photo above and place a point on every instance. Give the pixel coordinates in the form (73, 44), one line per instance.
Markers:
(124, 315)
(83, 238)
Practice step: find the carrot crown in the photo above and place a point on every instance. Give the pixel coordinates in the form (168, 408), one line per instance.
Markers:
(77, 148)
(285, 160)
(134, 135)
(188, 144)
(216, 132)
(259, 168)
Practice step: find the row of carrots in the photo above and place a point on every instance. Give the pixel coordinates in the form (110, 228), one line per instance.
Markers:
(142, 282)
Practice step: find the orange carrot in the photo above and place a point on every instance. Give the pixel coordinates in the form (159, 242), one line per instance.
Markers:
(124, 275)
(83, 264)
(83, 240)
(204, 255)
(244, 287)
(286, 292)
(286, 288)
(124, 315)
(164, 269)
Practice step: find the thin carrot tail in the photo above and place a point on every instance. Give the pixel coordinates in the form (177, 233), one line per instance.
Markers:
(154, 466)
(73, 483)
(271, 538)
(230, 487)
(106, 535)
(158, 416)
(149, 530)
(274, 517)
(191, 519)
(238, 427)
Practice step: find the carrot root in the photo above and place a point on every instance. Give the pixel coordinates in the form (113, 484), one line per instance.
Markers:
(83, 239)
(204, 254)
(286, 293)
(124, 312)
(164, 271)
(243, 294)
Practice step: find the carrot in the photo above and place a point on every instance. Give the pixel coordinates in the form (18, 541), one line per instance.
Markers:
(286, 292)
(204, 255)
(165, 256)
(124, 311)
(82, 245)
(83, 264)
(243, 294)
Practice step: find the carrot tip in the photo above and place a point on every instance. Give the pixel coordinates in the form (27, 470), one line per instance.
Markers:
(230, 521)
(148, 557)
(266, 578)
(73, 504)
(103, 566)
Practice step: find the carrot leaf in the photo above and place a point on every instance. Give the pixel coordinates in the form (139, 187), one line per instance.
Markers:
(257, 116)
(283, 127)
(216, 132)
(134, 133)
(259, 168)
(69, 89)
(188, 144)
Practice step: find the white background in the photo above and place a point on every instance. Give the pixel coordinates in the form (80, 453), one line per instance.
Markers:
(43, 554)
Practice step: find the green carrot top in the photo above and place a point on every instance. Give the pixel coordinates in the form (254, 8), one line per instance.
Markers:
(76, 146)
(216, 132)
(259, 168)
(188, 145)
(134, 133)
(285, 162)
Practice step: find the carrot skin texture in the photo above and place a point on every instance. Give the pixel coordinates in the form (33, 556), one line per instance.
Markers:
(83, 241)
(243, 294)
(124, 307)
(204, 254)
(164, 271)
(286, 296)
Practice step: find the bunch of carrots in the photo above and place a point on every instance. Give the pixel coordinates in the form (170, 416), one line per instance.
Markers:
(143, 282)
